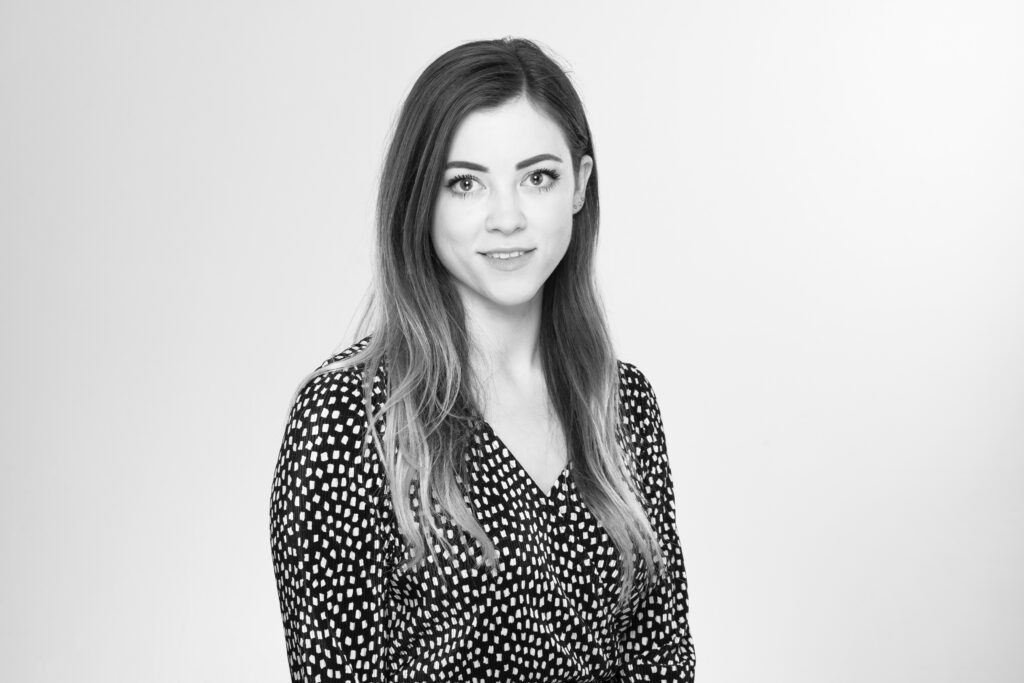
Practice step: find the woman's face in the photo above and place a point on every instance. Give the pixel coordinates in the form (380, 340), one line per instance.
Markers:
(503, 216)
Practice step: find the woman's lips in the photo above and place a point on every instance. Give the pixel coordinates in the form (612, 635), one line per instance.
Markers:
(508, 259)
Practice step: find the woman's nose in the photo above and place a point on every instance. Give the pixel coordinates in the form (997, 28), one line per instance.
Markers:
(504, 213)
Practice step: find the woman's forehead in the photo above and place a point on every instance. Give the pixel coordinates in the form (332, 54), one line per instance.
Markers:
(507, 134)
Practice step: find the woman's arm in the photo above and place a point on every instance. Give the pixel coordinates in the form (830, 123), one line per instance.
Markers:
(330, 540)
(658, 645)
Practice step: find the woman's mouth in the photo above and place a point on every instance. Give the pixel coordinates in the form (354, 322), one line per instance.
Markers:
(508, 259)
(505, 254)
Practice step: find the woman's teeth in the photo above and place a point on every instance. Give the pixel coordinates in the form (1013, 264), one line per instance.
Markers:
(506, 255)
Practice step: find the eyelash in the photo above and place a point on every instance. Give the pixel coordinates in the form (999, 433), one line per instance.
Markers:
(550, 172)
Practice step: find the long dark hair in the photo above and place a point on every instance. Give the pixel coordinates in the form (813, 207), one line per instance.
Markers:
(418, 322)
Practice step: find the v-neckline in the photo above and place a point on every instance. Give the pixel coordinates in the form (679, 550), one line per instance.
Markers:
(548, 496)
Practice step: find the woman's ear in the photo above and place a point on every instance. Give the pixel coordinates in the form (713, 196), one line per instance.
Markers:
(582, 178)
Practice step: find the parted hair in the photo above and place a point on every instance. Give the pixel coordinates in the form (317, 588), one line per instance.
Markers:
(416, 325)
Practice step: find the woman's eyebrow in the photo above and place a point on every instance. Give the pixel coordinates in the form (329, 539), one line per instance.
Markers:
(521, 165)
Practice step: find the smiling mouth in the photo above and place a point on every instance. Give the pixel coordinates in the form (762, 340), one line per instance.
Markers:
(505, 255)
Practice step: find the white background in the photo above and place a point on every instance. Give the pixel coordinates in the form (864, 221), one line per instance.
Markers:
(812, 244)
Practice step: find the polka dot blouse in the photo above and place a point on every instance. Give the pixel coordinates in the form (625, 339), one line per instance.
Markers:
(549, 615)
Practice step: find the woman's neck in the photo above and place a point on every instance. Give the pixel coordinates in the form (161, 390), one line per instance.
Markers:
(505, 342)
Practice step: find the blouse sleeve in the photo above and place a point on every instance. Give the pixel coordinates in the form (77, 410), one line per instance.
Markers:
(657, 645)
(329, 540)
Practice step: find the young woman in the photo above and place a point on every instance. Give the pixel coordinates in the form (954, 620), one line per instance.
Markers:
(478, 489)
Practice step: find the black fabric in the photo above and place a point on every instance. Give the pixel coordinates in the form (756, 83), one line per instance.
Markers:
(548, 615)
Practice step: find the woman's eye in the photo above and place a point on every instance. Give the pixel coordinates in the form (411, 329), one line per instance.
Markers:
(461, 185)
(542, 178)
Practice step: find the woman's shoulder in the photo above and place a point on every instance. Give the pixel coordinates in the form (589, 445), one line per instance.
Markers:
(638, 405)
(348, 366)
(641, 416)
(635, 389)
(336, 388)
(325, 458)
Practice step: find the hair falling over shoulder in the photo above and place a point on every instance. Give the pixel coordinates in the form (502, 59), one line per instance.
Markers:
(415, 322)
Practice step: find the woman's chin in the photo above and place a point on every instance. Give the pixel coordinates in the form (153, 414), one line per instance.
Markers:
(511, 299)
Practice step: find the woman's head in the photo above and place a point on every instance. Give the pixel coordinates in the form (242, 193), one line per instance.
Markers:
(467, 106)
(503, 220)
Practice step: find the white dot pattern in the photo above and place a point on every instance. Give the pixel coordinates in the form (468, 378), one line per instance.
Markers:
(548, 615)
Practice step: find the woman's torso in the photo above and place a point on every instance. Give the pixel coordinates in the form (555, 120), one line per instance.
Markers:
(548, 613)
